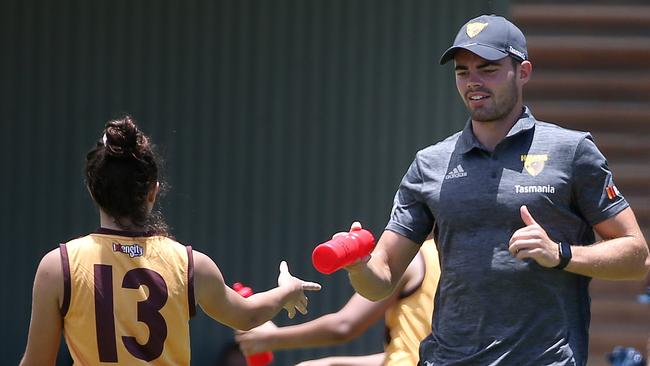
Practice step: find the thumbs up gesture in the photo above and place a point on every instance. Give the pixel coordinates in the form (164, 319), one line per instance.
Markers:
(531, 241)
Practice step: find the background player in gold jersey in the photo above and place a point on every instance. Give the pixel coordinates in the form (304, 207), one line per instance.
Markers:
(407, 312)
(124, 294)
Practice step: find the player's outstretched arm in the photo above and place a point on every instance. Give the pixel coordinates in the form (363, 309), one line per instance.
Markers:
(226, 306)
(354, 318)
(46, 323)
(369, 360)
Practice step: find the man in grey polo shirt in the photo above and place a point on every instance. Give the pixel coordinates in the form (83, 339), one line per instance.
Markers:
(513, 203)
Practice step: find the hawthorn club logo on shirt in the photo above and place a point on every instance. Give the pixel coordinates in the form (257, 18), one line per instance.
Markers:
(534, 163)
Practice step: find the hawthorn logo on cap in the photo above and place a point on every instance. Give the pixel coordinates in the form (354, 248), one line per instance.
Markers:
(475, 28)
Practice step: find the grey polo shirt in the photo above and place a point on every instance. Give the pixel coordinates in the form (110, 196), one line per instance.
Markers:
(491, 308)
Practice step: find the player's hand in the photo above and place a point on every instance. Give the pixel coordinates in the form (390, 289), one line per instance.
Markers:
(256, 340)
(532, 241)
(297, 300)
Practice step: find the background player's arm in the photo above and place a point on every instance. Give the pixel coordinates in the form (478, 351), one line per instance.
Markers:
(377, 277)
(368, 360)
(354, 318)
(46, 323)
(226, 306)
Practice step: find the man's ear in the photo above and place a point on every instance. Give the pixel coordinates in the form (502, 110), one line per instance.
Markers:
(525, 70)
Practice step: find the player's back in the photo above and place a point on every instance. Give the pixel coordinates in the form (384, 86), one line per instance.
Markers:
(409, 320)
(128, 298)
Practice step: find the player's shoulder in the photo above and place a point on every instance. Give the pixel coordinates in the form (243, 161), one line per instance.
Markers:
(50, 266)
(169, 246)
(562, 141)
(557, 133)
(445, 146)
(77, 241)
(173, 243)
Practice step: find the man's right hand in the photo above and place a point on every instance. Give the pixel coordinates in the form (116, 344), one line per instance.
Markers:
(359, 263)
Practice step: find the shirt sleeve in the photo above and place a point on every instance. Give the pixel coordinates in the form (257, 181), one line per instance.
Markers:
(596, 195)
(410, 215)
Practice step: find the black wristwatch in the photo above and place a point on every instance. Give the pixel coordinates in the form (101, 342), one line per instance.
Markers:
(565, 255)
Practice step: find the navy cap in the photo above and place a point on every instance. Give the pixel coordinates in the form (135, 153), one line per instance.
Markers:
(491, 37)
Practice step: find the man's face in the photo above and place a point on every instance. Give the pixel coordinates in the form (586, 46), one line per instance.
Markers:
(489, 89)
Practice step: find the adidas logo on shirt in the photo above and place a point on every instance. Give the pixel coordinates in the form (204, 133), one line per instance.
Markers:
(457, 172)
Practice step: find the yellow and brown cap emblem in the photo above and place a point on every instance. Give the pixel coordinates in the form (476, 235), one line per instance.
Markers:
(475, 28)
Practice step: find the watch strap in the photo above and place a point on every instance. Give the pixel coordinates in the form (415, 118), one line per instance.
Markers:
(565, 255)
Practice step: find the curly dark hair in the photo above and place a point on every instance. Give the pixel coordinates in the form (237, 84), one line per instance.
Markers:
(120, 171)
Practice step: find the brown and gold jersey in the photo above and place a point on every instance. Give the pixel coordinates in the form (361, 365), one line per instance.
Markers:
(408, 321)
(128, 298)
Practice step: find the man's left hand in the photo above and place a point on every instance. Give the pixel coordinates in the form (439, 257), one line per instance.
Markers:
(531, 241)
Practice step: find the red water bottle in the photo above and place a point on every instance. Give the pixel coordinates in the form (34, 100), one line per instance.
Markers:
(258, 359)
(342, 250)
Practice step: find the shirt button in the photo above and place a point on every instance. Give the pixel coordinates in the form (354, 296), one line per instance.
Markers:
(494, 175)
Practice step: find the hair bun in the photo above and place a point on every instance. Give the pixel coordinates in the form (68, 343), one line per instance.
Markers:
(121, 137)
